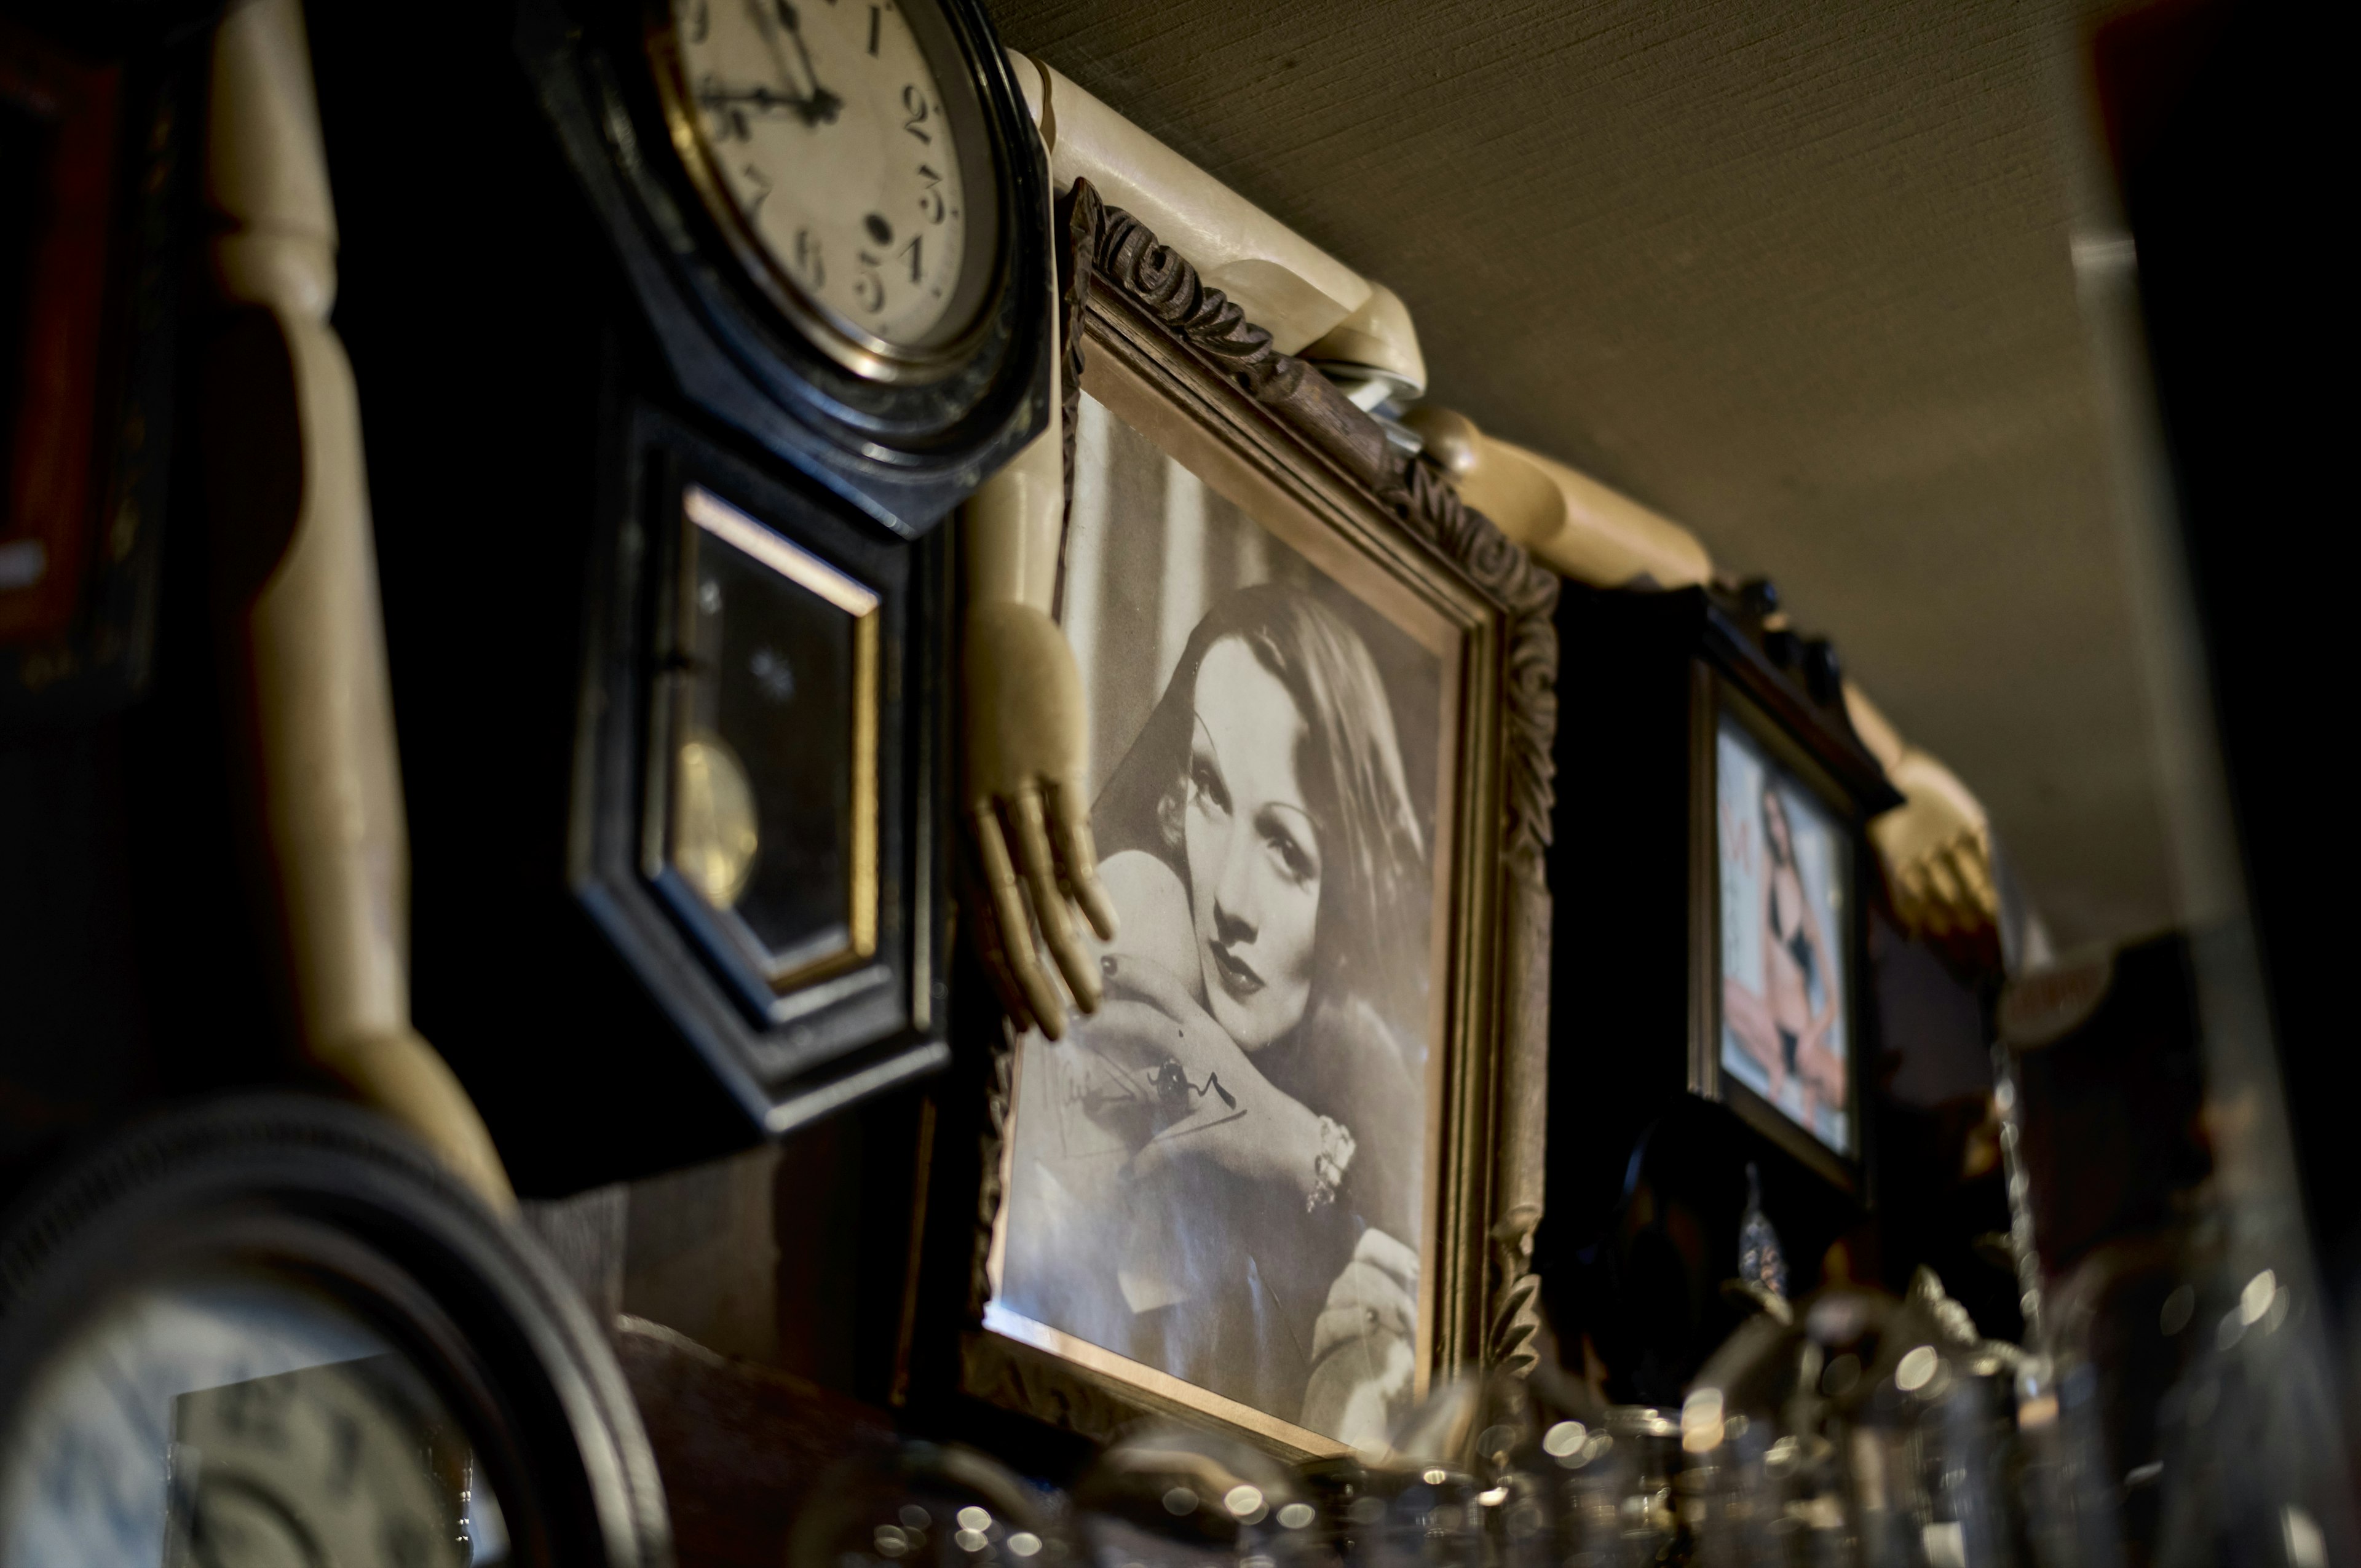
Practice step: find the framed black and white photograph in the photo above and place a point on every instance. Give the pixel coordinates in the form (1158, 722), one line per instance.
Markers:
(1236, 1146)
(1255, 1187)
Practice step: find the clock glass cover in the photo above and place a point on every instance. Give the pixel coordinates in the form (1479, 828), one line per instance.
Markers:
(236, 1415)
(772, 822)
(841, 139)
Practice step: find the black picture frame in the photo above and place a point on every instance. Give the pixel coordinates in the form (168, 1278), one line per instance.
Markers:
(1635, 963)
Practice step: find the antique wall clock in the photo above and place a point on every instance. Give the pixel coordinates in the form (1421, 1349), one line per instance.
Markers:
(271, 1331)
(674, 351)
(848, 194)
(850, 201)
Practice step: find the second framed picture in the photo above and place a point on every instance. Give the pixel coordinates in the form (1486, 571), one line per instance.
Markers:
(1254, 1187)
(1713, 940)
(1783, 950)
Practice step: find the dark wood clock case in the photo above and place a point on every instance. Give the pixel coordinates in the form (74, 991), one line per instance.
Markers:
(555, 359)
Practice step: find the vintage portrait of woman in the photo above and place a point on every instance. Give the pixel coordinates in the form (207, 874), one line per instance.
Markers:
(1220, 1174)
(1782, 998)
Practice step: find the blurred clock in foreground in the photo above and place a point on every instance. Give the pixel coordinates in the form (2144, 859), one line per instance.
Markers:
(268, 1333)
(224, 1415)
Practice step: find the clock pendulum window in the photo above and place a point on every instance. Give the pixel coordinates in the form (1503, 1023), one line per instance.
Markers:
(677, 337)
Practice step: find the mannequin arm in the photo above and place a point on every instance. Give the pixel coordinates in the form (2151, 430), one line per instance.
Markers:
(1284, 283)
(1572, 523)
(1938, 846)
(1028, 736)
(1311, 303)
(310, 645)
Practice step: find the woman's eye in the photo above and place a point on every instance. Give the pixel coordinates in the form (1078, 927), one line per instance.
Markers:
(1205, 783)
(1299, 868)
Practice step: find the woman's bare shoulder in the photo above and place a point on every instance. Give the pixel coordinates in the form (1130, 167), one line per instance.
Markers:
(1151, 904)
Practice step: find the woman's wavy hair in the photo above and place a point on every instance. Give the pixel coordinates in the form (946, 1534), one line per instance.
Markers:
(1376, 884)
(1773, 842)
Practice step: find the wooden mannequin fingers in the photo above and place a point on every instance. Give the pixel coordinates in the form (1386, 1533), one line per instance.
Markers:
(1070, 818)
(1944, 886)
(1973, 865)
(1007, 902)
(1913, 894)
(995, 964)
(1040, 869)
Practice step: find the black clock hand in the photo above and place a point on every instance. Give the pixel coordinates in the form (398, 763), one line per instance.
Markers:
(762, 98)
(820, 106)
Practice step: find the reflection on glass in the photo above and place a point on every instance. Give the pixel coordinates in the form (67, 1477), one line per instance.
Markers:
(773, 821)
(236, 1420)
(715, 838)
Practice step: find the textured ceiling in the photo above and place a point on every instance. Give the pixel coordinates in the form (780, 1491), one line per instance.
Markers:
(1796, 275)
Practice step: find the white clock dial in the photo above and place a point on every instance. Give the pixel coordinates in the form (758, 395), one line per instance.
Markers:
(827, 129)
(234, 1419)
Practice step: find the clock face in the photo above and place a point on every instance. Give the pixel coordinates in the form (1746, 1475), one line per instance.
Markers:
(830, 140)
(233, 1417)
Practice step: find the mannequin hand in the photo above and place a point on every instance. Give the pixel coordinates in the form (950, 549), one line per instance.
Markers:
(1937, 847)
(1026, 739)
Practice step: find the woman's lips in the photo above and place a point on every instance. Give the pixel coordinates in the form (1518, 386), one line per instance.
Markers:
(1237, 976)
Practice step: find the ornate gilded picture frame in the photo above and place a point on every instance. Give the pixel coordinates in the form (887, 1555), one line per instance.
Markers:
(1288, 1176)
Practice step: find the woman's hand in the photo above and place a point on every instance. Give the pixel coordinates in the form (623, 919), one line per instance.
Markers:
(1228, 1113)
(1363, 1356)
(1821, 1069)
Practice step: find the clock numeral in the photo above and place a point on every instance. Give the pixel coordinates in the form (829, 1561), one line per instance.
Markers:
(869, 289)
(931, 200)
(700, 23)
(762, 193)
(911, 250)
(808, 258)
(876, 14)
(728, 119)
(914, 103)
